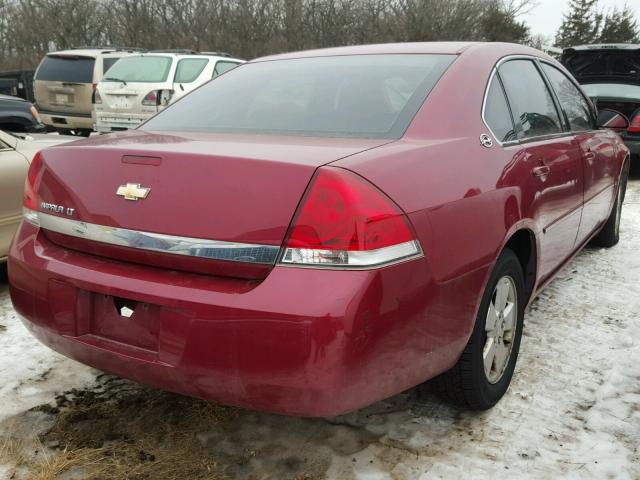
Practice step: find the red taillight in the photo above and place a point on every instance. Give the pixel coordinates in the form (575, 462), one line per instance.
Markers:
(151, 98)
(97, 99)
(345, 220)
(32, 183)
(634, 125)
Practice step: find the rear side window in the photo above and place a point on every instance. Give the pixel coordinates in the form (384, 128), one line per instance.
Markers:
(534, 111)
(369, 96)
(497, 114)
(107, 63)
(66, 69)
(189, 69)
(573, 103)
(222, 67)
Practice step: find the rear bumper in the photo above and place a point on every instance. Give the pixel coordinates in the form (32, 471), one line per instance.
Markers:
(67, 121)
(107, 122)
(301, 342)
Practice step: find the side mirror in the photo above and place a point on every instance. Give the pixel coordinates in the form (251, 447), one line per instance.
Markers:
(612, 119)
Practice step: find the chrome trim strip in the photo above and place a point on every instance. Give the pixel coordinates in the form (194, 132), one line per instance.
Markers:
(158, 242)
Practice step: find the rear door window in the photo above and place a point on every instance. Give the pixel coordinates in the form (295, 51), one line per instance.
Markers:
(497, 114)
(533, 108)
(189, 69)
(574, 105)
(72, 69)
(222, 67)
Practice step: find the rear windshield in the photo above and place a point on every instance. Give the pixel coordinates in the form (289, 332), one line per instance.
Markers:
(372, 96)
(66, 69)
(140, 68)
(108, 62)
(603, 63)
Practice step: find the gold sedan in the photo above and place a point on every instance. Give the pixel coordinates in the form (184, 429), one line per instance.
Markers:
(16, 152)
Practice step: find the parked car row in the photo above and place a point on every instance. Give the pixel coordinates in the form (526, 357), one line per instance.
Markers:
(81, 90)
(314, 231)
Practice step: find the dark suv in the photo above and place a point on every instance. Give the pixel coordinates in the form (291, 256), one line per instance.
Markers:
(610, 75)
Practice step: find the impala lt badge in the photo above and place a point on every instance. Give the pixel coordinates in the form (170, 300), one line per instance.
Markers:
(52, 207)
(133, 191)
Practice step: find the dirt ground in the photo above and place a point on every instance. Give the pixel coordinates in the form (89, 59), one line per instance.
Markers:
(573, 409)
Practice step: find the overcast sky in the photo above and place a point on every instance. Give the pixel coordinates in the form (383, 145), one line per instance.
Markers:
(546, 17)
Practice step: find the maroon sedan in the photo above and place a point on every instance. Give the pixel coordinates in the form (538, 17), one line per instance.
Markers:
(312, 232)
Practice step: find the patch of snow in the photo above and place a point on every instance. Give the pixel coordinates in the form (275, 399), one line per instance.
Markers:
(30, 373)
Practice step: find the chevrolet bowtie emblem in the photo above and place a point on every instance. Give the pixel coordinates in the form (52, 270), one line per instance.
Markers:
(133, 191)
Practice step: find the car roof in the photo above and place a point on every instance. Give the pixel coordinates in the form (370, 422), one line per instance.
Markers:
(184, 55)
(11, 98)
(605, 46)
(82, 52)
(436, 48)
(93, 52)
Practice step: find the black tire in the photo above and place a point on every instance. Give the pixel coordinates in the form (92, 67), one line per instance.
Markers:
(466, 383)
(82, 132)
(610, 233)
(4, 275)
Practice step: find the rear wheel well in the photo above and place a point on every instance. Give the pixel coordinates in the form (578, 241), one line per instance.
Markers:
(523, 244)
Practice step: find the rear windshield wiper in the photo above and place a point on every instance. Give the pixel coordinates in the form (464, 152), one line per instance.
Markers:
(113, 79)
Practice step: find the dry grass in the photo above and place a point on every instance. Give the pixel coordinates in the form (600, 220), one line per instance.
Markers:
(119, 431)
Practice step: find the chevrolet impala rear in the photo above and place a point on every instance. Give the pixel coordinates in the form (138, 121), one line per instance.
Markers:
(308, 233)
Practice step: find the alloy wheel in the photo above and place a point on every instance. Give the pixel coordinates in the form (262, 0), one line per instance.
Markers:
(500, 329)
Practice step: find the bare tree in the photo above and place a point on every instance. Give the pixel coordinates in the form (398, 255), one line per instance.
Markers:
(246, 28)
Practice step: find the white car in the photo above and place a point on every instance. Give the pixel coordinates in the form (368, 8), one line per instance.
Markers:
(139, 86)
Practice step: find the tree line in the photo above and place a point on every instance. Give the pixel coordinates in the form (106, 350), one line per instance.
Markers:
(586, 23)
(246, 28)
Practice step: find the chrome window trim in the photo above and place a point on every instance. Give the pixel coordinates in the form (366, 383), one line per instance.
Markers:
(484, 107)
(538, 138)
(157, 242)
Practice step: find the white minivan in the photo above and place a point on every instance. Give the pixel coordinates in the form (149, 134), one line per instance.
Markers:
(138, 86)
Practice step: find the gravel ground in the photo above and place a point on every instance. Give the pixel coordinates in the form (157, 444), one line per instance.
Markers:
(573, 409)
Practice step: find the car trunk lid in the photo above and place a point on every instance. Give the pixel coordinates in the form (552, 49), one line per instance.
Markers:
(239, 189)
